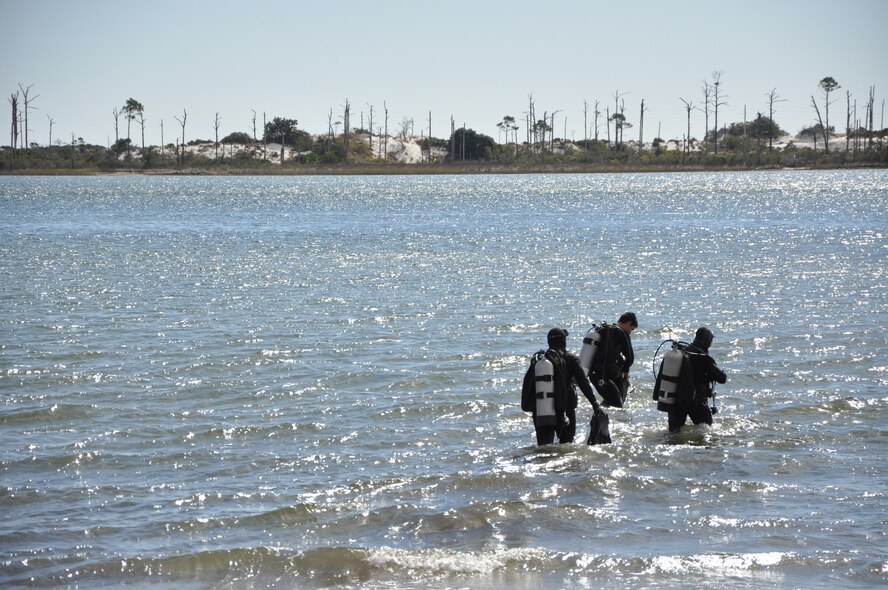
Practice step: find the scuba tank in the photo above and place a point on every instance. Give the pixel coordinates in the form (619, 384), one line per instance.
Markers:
(590, 347)
(545, 392)
(669, 389)
(670, 371)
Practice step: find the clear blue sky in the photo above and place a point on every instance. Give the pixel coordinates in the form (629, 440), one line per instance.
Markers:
(475, 60)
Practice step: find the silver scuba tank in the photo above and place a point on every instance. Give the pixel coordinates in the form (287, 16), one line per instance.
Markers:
(545, 392)
(590, 347)
(670, 371)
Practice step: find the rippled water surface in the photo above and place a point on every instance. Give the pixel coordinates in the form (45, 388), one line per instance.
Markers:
(314, 382)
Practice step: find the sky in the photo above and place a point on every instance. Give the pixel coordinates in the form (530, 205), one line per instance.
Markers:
(473, 61)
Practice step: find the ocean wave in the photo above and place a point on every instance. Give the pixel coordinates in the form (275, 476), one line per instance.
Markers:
(48, 414)
(497, 568)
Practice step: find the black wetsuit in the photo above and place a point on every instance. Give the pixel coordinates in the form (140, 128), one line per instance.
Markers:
(705, 372)
(565, 426)
(612, 361)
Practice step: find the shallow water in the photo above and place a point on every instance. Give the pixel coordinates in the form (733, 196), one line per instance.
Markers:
(314, 382)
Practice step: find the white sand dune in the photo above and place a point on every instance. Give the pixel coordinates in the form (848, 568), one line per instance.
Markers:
(408, 150)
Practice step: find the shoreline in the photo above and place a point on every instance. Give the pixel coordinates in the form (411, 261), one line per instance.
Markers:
(428, 170)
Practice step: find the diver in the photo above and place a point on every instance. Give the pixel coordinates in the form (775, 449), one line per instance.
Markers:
(609, 372)
(705, 372)
(556, 416)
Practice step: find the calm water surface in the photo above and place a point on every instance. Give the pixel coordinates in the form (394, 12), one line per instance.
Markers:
(314, 382)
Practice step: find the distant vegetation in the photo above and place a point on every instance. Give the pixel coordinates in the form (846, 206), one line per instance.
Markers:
(283, 148)
(740, 147)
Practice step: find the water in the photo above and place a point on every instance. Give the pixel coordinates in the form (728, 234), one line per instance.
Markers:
(314, 382)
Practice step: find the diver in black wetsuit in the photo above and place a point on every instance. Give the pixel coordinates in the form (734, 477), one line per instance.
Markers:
(705, 372)
(609, 372)
(565, 416)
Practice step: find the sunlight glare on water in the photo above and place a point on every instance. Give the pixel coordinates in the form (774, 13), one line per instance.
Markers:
(314, 381)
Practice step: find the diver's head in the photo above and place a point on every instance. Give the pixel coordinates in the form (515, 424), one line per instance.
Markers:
(628, 322)
(703, 338)
(557, 338)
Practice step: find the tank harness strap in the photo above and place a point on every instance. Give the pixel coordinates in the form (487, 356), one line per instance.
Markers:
(669, 378)
(545, 379)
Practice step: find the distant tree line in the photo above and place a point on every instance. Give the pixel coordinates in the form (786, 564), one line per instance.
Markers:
(749, 142)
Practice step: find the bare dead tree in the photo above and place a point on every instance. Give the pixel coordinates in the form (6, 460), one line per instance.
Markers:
(430, 137)
(641, 128)
(607, 120)
(596, 113)
(871, 107)
(216, 123)
(532, 129)
(847, 120)
(386, 135)
(619, 119)
(254, 125)
(379, 136)
(716, 102)
(527, 131)
(867, 114)
(773, 98)
(14, 128)
(116, 113)
(822, 128)
(140, 117)
(51, 122)
(27, 99)
(346, 128)
(585, 130)
(857, 130)
(623, 121)
(707, 94)
(264, 138)
(162, 146)
(21, 128)
(689, 106)
(283, 144)
(452, 139)
(182, 123)
(370, 126)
